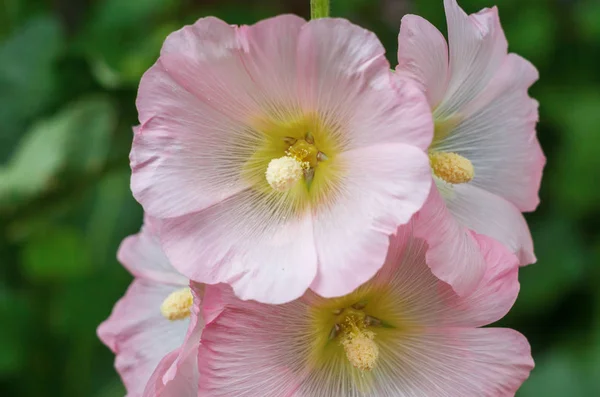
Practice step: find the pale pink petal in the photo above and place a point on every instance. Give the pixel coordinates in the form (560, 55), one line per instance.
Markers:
(488, 214)
(177, 373)
(257, 246)
(142, 255)
(382, 188)
(498, 136)
(185, 383)
(453, 362)
(139, 335)
(155, 385)
(432, 302)
(345, 77)
(243, 69)
(477, 49)
(270, 59)
(188, 156)
(408, 278)
(214, 300)
(423, 55)
(204, 60)
(253, 349)
(195, 106)
(495, 294)
(453, 254)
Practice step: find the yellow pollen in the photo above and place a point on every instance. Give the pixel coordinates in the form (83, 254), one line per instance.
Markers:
(451, 167)
(177, 305)
(283, 173)
(361, 350)
(304, 152)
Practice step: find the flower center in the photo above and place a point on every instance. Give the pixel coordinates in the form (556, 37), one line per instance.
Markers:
(177, 305)
(352, 329)
(300, 160)
(451, 167)
(361, 350)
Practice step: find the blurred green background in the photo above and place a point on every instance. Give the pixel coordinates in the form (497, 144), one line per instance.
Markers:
(69, 70)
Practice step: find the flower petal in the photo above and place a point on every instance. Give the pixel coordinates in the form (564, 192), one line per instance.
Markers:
(244, 69)
(204, 60)
(139, 335)
(185, 383)
(345, 77)
(498, 136)
(493, 216)
(143, 256)
(432, 302)
(382, 188)
(185, 156)
(249, 242)
(495, 294)
(453, 254)
(423, 55)
(491, 362)
(177, 373)
(254, 349)
(270, 58)
(477, 49)
(196, 105)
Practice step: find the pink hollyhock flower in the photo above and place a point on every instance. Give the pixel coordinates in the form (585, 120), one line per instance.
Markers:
(280, 156)
(154, 329)
(486, 160)
(403, 333)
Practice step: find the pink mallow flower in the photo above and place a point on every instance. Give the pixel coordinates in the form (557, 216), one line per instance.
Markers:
(404, 333)
(279, 156)
(486, 160)
(154, 330)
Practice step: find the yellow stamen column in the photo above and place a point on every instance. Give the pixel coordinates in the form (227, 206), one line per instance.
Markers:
(358, 342)
(361, 350)
(451, 167)
(177, 305)
(283, 173)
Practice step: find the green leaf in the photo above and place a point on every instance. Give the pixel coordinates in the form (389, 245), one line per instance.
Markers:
(587, 14)
(575, 111)
(56, 254)
(114, 388)
(78, 137)
(530, 33)
(38, 158)
(113, 214)
(15, 314)
(118, 47)
(91, 123)
(27, 77)
(593, 356)
(557, 374)
(559, 267)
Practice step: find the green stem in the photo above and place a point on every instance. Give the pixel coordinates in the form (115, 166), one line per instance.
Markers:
(319, 9)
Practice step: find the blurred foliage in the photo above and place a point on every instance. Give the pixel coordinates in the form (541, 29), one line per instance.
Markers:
(68, 76)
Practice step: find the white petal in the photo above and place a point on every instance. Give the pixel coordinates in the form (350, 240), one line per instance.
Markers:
(498, 135)
(477, 48)
(139, 335)
(423, 55)
(493, 216)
